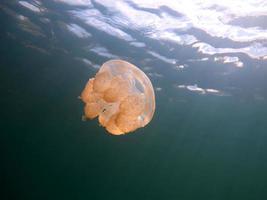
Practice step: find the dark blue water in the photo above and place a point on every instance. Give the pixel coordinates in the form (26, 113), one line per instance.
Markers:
(207, 61)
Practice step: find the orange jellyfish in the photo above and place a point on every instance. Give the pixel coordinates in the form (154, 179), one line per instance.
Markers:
(121, 96)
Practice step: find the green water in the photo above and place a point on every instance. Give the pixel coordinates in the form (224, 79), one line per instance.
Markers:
(198, 145)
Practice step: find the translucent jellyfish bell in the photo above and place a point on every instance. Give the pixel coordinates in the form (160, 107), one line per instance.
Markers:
(122, 97)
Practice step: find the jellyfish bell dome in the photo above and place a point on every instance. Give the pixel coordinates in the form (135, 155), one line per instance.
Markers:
(121, 96)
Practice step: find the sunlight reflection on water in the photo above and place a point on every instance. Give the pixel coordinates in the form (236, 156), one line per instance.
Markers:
(170, 20)
(159, 29)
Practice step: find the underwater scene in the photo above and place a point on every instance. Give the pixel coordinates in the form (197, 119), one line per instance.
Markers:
(201, 64)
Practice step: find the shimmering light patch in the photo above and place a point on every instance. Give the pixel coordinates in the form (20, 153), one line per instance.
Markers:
(256, 50)
(179, 67)
(78, 31)
(76, 2)
(229, 59)
(129, 16)
(22, 17)
(158, 89)
(199, 90)
(102, 51)
(45, 20)
(88, 63)
(94, 18)
(138, 44)
(162, 58)
(195, 88)
(198, 59)
(239, 64)
(30, 6)
(172, 37)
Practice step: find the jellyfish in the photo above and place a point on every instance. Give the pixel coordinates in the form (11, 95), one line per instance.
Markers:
(121, 96)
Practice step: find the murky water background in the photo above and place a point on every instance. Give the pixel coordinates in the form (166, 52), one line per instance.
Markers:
(207, 61)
